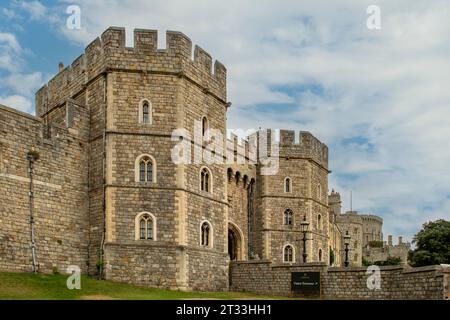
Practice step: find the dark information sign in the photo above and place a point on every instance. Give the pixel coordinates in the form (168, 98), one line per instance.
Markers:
(306, 283)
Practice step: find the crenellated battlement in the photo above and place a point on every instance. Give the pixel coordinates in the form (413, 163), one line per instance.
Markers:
(109, 53)
(371, 218)
(243, 149)
(307, 146)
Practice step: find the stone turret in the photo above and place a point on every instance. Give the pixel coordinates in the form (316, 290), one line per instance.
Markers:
(334, 202)
(108, 53)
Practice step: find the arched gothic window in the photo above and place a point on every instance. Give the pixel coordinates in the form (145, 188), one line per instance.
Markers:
(205, 234)
(204, 125)
(287, 185)
(288, 253)
(319, 222)
(145, 226)
(146, 169)
(205, 180)
(288, 215)
(145, 112)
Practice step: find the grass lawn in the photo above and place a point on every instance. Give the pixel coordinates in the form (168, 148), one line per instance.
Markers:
(53, 287)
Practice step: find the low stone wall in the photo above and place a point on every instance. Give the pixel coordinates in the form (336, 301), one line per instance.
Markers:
(148, 265)
(264, 277)
(166, 266)
(397, 282)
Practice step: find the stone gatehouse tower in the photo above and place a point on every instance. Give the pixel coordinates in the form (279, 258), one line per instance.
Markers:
(106, 194)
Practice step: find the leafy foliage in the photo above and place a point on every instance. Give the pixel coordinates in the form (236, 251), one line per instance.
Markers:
(376, 244)
(433, 244)
(390, 261)
(366, 263)
(100, 264)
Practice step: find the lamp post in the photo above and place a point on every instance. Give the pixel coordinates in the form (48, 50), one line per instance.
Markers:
(346, 243)
(304, 228)
(32, 156)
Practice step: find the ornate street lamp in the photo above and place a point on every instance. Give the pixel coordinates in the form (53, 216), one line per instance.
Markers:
(304, 225)
(346, 243)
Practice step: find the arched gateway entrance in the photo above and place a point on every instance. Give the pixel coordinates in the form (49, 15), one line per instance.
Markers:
(235, 241)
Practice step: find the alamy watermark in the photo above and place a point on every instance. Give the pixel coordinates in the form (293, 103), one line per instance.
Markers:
(210, 147)
(73, 21)
(374, 20)
(374, 279)
(74, 280)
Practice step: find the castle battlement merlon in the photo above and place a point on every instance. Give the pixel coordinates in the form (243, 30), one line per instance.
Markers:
(178, 52)
(308, 146)
(109, 53)
(371, 217)
(242, 148)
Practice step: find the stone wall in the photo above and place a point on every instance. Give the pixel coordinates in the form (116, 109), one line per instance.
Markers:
(264, 277)
(59, 189)
(396, 283)
(165, 265)
(351, 222)
(181, 91)
(381, 254)
(305, 163)
(267, 278)
(150, 264)
(90, 136)
(372, 228)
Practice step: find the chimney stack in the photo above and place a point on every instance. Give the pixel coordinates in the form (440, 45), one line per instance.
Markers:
(390, 240)
(400, 240)
(61, 66)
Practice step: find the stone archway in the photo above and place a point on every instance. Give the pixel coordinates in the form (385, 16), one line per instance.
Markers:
(235, 243)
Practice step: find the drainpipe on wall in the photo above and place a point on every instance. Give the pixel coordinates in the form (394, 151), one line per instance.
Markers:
(32, 156)
(249, 221)
(103, 240)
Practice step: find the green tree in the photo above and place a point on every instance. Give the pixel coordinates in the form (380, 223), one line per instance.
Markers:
(376, 244)
(432, 244)
(390, 261)
(366, 263)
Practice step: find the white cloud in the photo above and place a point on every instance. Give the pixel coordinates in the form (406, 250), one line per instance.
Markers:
(10, 40)
(17, 102)
(389, 86)
(10, 52)
(19, 84)
(8, 13)
(25, 84)
(36, 9)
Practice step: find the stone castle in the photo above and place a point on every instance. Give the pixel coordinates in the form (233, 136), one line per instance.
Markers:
(90, 180)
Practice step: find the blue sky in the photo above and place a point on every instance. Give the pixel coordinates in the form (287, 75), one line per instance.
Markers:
(378, 98)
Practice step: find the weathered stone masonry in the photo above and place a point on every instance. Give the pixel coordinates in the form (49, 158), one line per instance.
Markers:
(98, 195)
(60, 190)
(397, 282)
(89, 135)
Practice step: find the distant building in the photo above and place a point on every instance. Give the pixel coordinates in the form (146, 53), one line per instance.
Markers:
(366, 232)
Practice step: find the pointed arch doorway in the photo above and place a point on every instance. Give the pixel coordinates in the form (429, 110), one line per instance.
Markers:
(235, 242)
